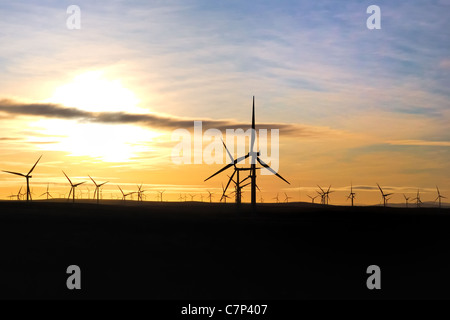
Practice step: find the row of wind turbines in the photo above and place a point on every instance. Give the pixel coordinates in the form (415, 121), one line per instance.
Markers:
(323, 193)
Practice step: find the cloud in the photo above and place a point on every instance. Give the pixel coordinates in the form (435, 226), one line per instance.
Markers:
(419, 143)
(152, 120)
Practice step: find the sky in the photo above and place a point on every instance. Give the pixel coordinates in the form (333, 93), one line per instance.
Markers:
(353, 106)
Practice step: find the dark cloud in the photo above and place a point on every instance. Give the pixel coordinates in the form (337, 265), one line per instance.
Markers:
(49, 110)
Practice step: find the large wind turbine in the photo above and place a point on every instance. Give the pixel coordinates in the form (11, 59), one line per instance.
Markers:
(97, 188)
(384, 195)
(254, 158)
(27, 176)
(73, 186)
(439, 196)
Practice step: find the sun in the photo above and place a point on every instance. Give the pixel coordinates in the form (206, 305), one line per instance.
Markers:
(93, 91)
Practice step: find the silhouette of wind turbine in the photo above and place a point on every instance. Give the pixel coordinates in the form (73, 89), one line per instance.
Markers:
(312, 198)
(406, 200)
(384, 195)
(125, 195)
(439, 197)
(417, 198)
(210, 195)
(351, 194)
(47, 193)
(97, 188)
(140, 193)
(161, 194)
(73, 187)
(276, 198)
(286, 199)
(254, 158)
(27, 177)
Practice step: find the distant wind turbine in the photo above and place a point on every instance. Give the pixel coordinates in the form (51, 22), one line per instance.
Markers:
(47, 193)
(27, 177)
(210, 195)
(276, 198)
(97, 188)
(417, 199)
(312, 198)
(73, 187)
(286, 199)
(125, 195)
(351, 194)
(406, 200)
(384, 195)
(439, 197)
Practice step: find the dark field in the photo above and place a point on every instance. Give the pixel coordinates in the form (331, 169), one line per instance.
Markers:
(215, 251)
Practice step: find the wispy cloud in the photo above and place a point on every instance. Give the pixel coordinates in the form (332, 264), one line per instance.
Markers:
(419, 143)
(155, 121)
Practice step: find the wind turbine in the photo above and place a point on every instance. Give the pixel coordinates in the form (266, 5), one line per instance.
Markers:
(192, 196)
(384, 195)
(286, 199)
(276, 198)
(47, 193)
(73, 187)
(261, 199)
(439, 196)
(180, 198)
(254, 158)
(417, 198)
(140, 193)
(19, 194)
(325, 195)
(312, 198)
(351, 194)
(27, 176)
(406, 200)
(161, 194)
(97, 188)
(210, 195)
(125, 195)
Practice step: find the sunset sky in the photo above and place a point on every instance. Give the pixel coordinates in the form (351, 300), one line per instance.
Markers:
(352, 105)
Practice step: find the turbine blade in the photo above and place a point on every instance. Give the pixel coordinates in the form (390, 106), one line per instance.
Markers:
(231, 178)
(229, 154)
(68, 178)
(34, 165)
(265, 165)
(380, 188)
(93, 180)
(223, 169)
(19, 174)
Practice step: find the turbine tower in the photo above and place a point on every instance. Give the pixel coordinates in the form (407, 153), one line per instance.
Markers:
(27, 176)
(254, 156)
(73, 187)
(97, 188)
